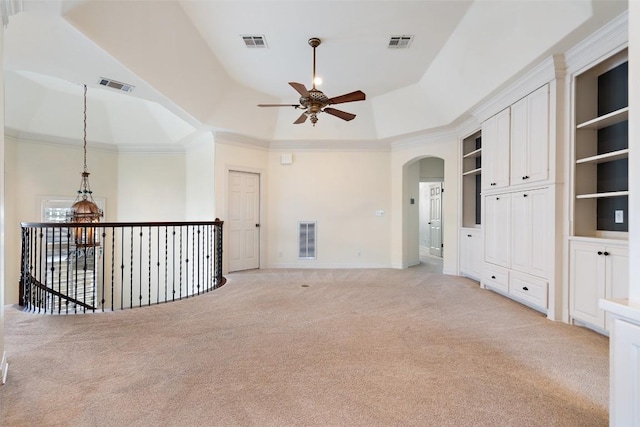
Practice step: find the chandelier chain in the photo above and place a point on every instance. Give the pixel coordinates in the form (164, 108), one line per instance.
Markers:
(84, 139)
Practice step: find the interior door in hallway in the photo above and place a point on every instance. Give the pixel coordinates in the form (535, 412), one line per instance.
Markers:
(244, 221)
(435, 220)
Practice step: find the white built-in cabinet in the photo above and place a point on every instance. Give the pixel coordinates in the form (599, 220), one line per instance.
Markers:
(517, 240)
(598, 269)
(530, 138)
(496, 145)
(471, 260)
(598, 248)
(518, 199)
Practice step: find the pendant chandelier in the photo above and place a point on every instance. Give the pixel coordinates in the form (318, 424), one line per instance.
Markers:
(84, 210)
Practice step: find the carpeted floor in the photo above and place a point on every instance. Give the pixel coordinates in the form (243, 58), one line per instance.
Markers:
(309, 348)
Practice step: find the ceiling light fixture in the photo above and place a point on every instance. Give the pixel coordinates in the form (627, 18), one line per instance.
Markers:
(85, 210)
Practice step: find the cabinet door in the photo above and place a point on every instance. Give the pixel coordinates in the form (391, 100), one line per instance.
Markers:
(465, 251)
(471, 259)
(617, 268)
(495, 151)
(529, 232)
(586, 281)
(497, 235)
(530, 138)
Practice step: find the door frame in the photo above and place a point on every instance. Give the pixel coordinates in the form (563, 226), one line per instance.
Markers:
(262, 210)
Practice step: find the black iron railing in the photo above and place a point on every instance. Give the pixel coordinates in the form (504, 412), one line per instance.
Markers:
(129, 265)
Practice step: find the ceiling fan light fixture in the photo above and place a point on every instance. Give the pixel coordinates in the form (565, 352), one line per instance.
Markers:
(314, 101)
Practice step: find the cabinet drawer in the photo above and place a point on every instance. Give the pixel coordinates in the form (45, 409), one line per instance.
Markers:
(496, 277)
(530, 289)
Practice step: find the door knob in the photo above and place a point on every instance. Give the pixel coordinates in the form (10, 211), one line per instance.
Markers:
(257, 225)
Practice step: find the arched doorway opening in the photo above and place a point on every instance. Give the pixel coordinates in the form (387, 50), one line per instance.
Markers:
(424, 183)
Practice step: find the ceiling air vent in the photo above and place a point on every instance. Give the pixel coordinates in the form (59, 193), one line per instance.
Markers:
(255, 42)
(400, 42)
(116, 85)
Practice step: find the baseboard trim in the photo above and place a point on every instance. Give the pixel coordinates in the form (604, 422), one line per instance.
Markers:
(5, 367)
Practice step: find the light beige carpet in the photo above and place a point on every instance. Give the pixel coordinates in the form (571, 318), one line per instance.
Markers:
(309, 348)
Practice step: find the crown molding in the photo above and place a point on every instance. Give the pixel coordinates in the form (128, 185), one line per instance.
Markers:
(57, 141)
(331, 145)
(611, 37)
(151, 149)
(551, 68)
(468, 127)
(36, 138)
(418, 139)
(230, 138)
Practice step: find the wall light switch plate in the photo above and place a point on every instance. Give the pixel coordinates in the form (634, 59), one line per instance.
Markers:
(619, 217)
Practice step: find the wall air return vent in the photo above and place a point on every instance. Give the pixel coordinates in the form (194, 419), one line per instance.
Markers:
(400, 42)
(254, 41)
(307, 240)
(116, 85)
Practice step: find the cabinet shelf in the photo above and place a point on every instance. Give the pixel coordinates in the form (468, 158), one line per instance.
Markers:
(607, 120)
(473, 172)
(607, 157)
(473, 154)
(602, 195)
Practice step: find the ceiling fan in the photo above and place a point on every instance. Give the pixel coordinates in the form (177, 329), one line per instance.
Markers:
(314, 101)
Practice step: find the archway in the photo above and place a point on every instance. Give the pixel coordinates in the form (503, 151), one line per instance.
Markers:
(424, 224)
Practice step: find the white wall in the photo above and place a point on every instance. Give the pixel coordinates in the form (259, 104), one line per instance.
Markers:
(431, 169)
(3, 365)
(340, 190)
(200, 178)
(151, 187)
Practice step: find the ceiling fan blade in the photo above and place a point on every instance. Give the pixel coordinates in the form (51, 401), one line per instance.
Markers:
(279, 105)
(301, 119)
(341, 114)
(299, 87)
(349, 97)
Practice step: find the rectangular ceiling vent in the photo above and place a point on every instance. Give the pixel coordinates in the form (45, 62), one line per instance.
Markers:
(116, 85)
(400, 42)
(307, 240)
(254, 41)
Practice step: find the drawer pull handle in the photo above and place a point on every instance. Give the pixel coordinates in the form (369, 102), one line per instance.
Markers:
(606, 253)
(493, 277)
(599, 252)
(524, 288)
(526, 195)
(469, 235)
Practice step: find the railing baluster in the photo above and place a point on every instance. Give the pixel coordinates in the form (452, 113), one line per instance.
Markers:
(56, 271)
(180, 281)
(149, 268)
(173, 260)
(166, 260)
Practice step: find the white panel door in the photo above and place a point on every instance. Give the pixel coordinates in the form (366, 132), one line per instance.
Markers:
(244, 221)
(435, 220)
